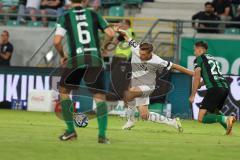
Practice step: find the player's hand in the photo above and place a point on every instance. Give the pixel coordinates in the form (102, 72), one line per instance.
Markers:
(119, 30)
(116, 28)
(104, 53)
(191, 98)
(63, 61)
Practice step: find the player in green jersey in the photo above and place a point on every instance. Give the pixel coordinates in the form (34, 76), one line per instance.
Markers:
(207, 67)
(83, 61)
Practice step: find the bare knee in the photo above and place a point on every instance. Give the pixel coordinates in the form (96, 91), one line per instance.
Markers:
(64, 92)
(99, 97)
(132, 93)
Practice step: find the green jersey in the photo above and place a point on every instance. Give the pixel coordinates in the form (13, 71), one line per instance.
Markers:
(210, 71)
(81, 26)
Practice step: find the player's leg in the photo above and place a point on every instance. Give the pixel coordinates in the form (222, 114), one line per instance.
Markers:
(158, 118)
(209, 118)
(130, 115)
(132, 93)
(102, 117)
(70, 79)
(67, 113)
(129, 98)
(94, 79)
(210, 103)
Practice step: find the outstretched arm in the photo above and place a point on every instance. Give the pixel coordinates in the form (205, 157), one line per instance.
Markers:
(196, 82)
(182, 69)
(122, 32)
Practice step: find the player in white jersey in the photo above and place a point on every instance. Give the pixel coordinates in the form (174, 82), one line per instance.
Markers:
(143, 82)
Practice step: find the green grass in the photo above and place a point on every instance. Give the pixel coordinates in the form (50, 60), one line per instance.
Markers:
(34, 136)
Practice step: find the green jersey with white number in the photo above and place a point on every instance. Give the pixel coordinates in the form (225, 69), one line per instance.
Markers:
(210, 71)
(81, 26)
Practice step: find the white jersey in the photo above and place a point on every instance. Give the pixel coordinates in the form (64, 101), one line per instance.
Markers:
(144, 72)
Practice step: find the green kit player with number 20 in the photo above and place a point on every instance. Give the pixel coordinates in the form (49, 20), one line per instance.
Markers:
(207, 67)
(83, 62)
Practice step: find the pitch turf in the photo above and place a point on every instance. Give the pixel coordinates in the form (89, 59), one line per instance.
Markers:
(33, 136)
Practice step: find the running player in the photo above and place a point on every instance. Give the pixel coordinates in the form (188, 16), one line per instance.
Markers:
(143, 82)
(83, 61)
(208, 68)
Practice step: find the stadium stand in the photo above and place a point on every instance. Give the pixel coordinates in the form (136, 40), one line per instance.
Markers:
(171, 9)
(116, 11)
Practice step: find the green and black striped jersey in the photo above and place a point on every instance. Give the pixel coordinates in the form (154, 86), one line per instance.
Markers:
(210, 71)
(81, 26)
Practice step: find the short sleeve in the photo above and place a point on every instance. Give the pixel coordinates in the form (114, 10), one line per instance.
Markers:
(10, 48)
(168, 64)
(198, 62)
(134, 46)
(61, 30)
(162, 63)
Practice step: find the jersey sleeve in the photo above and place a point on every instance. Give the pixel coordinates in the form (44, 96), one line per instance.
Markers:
(102, 23)
(10, 48)
(134, 46)
(198, 62)
(163, 63)
(61, 30)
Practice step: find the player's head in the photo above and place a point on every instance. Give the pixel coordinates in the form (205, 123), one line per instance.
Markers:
(200, 48)
(84, 3)
(145, 51)
(125, 24)
(209, 8)
(5, 36)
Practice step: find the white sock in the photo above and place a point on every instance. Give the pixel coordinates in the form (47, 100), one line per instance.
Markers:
(155, 117)
(130, 112)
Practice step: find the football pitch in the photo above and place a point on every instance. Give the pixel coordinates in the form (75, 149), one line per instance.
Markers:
(34, 136)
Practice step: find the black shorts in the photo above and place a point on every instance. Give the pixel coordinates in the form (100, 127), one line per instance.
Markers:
(120, 77)
(92, 76)
(214, 99)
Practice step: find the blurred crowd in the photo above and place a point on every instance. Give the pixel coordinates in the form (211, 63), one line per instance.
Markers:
(39, 8)
(217, 10)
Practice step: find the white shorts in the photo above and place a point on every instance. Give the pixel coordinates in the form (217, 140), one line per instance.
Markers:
(144, 99)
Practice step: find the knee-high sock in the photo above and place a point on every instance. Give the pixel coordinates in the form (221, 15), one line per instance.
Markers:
(213, 118)
(131, 110)
(67, 112)
(102, 118)
(155, 117)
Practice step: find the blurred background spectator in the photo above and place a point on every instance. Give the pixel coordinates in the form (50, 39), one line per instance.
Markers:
(236, 19)
(207, 15)
(51, 7)
(6, 49)
(32, 7)
(95, 4)
(21, 10)
(8, 6)
(223, 10)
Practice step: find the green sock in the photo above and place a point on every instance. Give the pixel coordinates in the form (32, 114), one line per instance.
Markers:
(67, 112)
(213, 118)
(102, 118)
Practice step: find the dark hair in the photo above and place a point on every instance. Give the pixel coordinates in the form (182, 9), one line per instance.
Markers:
(202, 44)
(127, 21)
(208, 3)
(146, 47)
